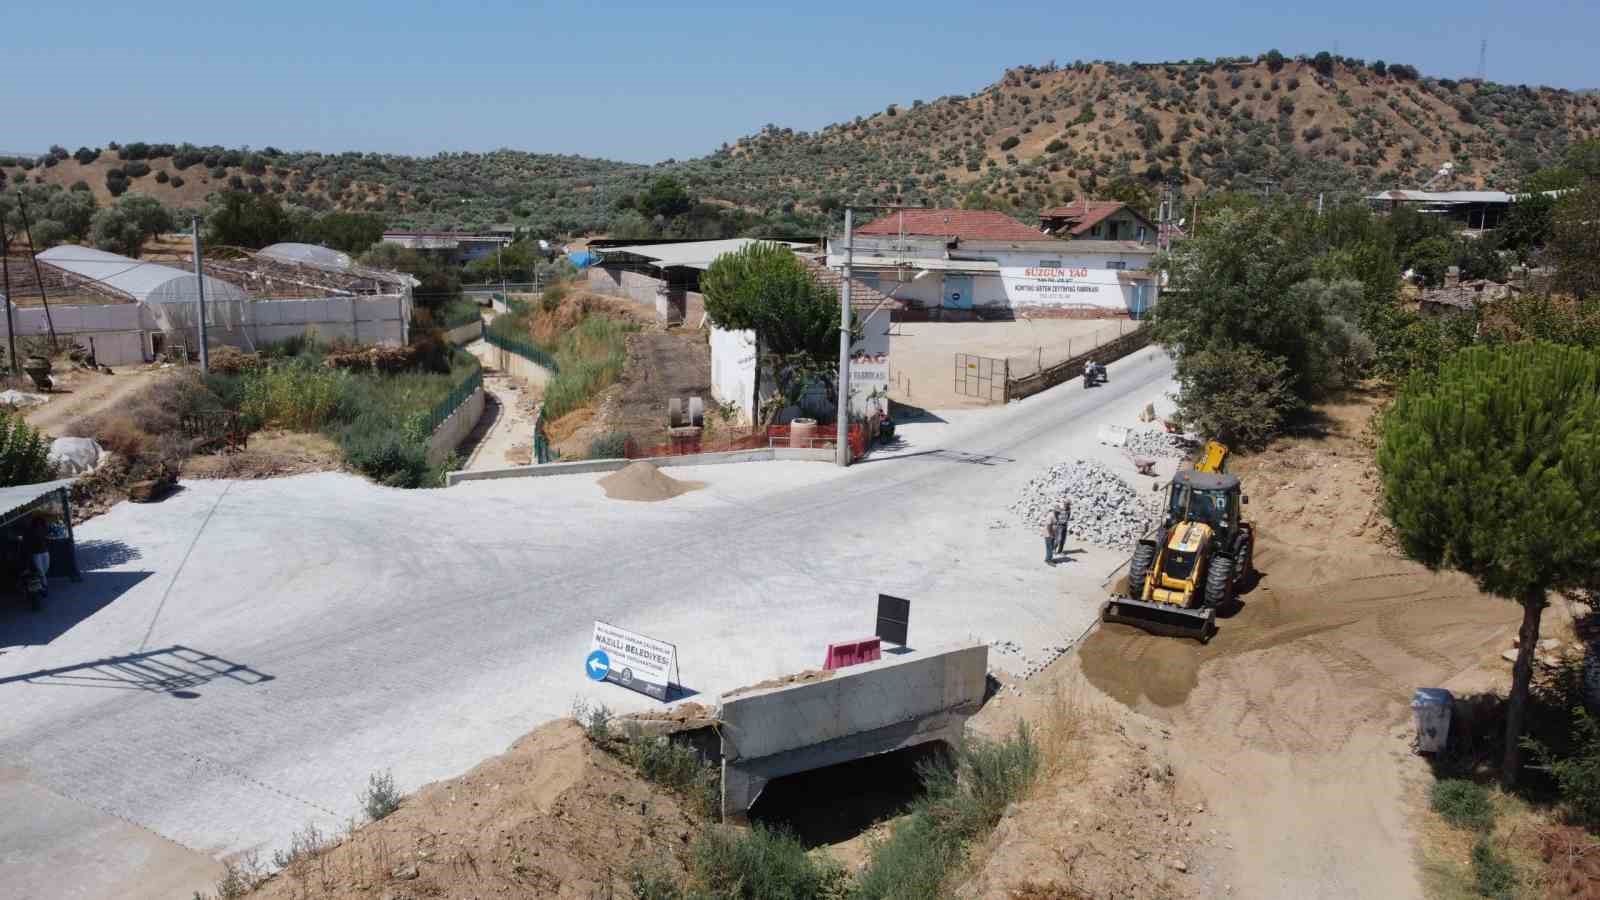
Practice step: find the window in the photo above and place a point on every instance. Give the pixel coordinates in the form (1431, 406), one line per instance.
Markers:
(1049, 263)
(1116, 264)
(1141, 234)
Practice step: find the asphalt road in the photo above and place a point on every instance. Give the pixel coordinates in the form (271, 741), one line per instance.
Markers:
(241, 656)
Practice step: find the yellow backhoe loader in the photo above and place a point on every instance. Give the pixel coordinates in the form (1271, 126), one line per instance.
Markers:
(1193, 563)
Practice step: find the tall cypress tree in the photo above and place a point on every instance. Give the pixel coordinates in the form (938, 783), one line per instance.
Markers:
(1492, 468)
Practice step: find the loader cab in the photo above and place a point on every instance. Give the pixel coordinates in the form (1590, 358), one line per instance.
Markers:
(1209, 497)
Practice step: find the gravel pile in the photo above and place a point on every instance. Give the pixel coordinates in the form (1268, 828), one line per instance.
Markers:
(1155, 442)
(1105, 509)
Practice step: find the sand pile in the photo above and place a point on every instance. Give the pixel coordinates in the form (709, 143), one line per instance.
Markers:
(644, 482)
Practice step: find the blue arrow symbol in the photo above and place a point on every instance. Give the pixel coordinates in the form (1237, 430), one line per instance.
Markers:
(597, 665)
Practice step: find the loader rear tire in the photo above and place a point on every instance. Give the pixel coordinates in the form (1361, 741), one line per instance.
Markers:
(1144, 557)
(1219, 582)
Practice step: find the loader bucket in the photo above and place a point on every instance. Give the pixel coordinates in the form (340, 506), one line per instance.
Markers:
(1161, 618)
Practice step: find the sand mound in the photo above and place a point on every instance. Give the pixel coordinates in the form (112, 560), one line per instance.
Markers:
(644, 482)
(553, 816)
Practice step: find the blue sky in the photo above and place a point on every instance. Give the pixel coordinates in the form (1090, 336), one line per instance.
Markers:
(648, 81)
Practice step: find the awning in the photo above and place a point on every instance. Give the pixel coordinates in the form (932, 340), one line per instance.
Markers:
(17, 499)
(975, 266)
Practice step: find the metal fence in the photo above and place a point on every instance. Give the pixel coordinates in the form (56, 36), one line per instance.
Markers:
(980, 376)
(1023, 365)
(458, 395)
(523, 348)
(773, 436)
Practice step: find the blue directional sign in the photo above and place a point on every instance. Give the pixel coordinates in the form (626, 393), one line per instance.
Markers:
(597, 665)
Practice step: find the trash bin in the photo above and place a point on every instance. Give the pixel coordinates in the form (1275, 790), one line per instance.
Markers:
(1431, 708)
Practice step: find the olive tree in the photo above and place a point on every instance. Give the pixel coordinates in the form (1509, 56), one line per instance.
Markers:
(124, 226)
(1492, 468)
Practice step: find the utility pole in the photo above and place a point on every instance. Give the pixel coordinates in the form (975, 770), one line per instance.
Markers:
(22, 207)
(200, 296)
(5, 283)
(842, 444)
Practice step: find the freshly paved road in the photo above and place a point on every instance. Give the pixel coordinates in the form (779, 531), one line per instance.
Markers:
(243, 654)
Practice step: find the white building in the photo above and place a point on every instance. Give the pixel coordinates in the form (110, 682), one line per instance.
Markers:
(734, 362)
(955, 263)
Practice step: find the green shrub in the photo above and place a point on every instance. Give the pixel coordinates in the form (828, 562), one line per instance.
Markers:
(1493, 873)
(647, 885)
(381, 797)
(761, 864)
(297, 396)
(459, 312)
(1236, 394)
(678, 768)
(590, 359)
(24, 454)
(964, 800)
(1464, 804)
(1577, 773)
(611, 445)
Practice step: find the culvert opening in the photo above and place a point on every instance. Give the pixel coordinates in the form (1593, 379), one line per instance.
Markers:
(838, 802)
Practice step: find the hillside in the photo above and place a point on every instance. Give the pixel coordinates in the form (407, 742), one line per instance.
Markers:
(1040, 135)
(1043, 134)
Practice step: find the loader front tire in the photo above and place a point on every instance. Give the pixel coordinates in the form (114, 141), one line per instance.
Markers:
(1219, 582)
(1144, 557)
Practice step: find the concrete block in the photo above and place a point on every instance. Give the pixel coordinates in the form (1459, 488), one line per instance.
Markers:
(860, 699)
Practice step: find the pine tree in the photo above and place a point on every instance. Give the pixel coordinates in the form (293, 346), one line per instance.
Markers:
(1492, 468)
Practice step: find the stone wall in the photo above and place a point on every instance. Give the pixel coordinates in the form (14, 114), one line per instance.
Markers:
(1017, 388)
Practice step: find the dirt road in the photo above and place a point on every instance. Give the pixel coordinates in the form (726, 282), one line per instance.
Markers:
(1292, 722)
(504, 433)
(80, 393)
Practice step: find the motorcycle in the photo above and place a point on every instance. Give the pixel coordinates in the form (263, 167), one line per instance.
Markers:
(1093, 374)
(33, 588)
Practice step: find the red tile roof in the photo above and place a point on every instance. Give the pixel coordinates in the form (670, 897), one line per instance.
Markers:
(861, 293)
(966, 224)
(1083, 215)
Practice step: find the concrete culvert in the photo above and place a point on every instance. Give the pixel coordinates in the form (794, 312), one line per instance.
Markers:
(839, 802)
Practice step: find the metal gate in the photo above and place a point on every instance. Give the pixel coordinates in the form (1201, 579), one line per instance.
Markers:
(981, 376)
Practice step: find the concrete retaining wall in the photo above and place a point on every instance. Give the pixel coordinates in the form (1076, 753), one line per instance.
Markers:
(465, 334)
(453, 430)
(582, 466)
(859, 711)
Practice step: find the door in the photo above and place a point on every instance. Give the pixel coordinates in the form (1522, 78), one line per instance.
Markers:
(958, 291)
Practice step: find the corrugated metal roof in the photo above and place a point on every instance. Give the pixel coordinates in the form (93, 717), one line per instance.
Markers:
(691, 254)
(21, 496)
(145, 282)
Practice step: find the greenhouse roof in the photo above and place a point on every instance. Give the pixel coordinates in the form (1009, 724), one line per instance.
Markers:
(144, 282)
(309, 255)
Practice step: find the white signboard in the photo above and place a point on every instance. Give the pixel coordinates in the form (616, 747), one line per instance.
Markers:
(1065, 286)
(632, 660)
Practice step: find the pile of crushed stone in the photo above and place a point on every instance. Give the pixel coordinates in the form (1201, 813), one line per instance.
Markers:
(1106, 510)
(645, 483)
(1155, 442)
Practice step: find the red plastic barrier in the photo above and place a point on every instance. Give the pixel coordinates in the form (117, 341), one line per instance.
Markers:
(853, 653)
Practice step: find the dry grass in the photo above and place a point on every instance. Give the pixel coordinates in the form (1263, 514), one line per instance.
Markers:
(1522, 834)
(1066, 719)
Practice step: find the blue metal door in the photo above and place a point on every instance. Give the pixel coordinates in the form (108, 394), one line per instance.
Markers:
(958, 291)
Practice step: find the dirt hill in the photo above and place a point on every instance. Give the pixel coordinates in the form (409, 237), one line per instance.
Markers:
(1039, 135)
